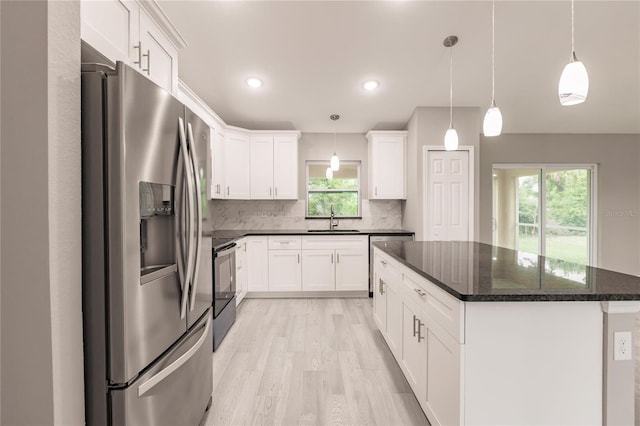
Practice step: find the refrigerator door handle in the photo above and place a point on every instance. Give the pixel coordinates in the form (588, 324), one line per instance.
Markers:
(198, 208)
(166, 372)
(188, 176)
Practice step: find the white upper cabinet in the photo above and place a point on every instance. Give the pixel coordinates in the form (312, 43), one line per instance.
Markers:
(111, 27)
(237, 151)
(285, 167)
(217, 162)
(274, 166)
(387, 165)
(262, 167)
(137, 33)
(159, 57)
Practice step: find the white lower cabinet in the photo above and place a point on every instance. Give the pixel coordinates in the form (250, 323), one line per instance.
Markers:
(317, 270)
(379, 302)
(443, 381)
(285, 270)
(394, 319)
(352, 270)
(257, 264)
(414, 350)
(417, 335)
(242, 276)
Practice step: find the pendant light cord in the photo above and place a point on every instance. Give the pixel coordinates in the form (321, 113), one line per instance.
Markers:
(451, 87)
(493, 53)
(573, 49)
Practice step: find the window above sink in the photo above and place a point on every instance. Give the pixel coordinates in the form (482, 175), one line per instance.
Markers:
(342, 191)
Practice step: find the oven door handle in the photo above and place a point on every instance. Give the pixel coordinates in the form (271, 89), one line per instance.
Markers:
(226, 251)
(198, 217)
(188, 174)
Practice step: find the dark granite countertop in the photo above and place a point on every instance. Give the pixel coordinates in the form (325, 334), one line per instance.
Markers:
(477, 272)
(239, 233)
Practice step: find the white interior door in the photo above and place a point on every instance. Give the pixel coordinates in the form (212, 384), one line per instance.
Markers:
(447, 196)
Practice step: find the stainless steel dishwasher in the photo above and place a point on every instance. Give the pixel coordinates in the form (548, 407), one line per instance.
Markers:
(374, 238)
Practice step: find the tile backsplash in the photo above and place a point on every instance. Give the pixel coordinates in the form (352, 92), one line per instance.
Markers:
(268, 214)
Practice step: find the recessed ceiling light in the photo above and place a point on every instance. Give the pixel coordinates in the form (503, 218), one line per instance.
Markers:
(370, 85)
(254, 82)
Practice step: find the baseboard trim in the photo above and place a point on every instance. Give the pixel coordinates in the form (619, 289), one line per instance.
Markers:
(305, 294)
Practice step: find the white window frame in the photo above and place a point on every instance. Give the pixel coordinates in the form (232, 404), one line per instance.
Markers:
(327, 163)
(593, 258)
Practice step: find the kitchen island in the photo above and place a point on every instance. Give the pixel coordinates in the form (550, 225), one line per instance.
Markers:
(488, 335)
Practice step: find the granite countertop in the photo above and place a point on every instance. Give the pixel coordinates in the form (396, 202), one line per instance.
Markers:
(477, 272)
(239, 233)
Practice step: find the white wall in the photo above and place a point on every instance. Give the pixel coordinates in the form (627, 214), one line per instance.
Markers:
(427, 127)
(41, 334)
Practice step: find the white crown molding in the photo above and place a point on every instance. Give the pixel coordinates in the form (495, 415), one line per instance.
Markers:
(386, 132)
(157, 14)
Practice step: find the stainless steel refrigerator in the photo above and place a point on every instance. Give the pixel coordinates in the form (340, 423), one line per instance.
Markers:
(147, 272)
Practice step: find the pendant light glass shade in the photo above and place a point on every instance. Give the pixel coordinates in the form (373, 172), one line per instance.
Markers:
(451, 139)
(574, 83)
(329, 173)
(492, 125)
(335, 162)
(574, 80)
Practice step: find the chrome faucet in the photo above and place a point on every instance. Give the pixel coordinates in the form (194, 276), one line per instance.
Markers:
(333, 222)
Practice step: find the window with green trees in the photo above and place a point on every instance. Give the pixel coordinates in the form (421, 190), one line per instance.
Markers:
(546, 209)
(342, 191)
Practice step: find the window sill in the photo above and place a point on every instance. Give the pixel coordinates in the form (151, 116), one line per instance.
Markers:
(335, 217)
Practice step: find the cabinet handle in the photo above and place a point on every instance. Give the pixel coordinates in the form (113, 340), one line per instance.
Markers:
(227, 189)
(380, 286)
(415, 332)
(337, 257)
(331, 257)
(383, 263)
(276, 192)
(420, 336)
(420, 292)
(270, 192)
(376, 191)
(139, 47)
(148, 56)
(298, 257)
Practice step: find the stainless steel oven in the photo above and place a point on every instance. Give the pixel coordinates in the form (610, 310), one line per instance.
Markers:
(224, 289)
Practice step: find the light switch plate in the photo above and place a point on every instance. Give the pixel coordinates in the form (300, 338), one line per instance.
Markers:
(622, 345)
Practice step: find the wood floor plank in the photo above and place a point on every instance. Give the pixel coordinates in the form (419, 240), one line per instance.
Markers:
(309, 362)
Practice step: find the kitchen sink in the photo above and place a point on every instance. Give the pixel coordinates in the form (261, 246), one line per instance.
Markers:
(335, 231)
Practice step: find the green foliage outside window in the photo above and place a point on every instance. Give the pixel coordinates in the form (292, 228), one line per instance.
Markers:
(343, 191)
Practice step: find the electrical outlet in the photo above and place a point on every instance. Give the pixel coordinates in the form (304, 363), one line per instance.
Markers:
(264, 213)
(622, 346)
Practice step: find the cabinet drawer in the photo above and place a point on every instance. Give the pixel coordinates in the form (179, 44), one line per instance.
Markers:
(284, 242)
(353, 242)
(446, 310)
(387, 270)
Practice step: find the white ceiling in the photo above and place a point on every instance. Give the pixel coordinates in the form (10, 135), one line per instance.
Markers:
(314, 56)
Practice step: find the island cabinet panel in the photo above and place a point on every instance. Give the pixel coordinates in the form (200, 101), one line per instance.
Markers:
(379, 302)
(414, 350)
(394, 319)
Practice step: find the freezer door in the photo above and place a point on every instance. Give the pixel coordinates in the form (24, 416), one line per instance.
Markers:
(144, 288)
(176, 389)
(201, 291)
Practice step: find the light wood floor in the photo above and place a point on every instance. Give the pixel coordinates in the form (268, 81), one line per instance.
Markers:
(308, 362)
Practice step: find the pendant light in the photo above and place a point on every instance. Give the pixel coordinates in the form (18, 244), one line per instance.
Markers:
(329, 173)
(335, 161)
(574, 81)
(451, 137)
(492, 125)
